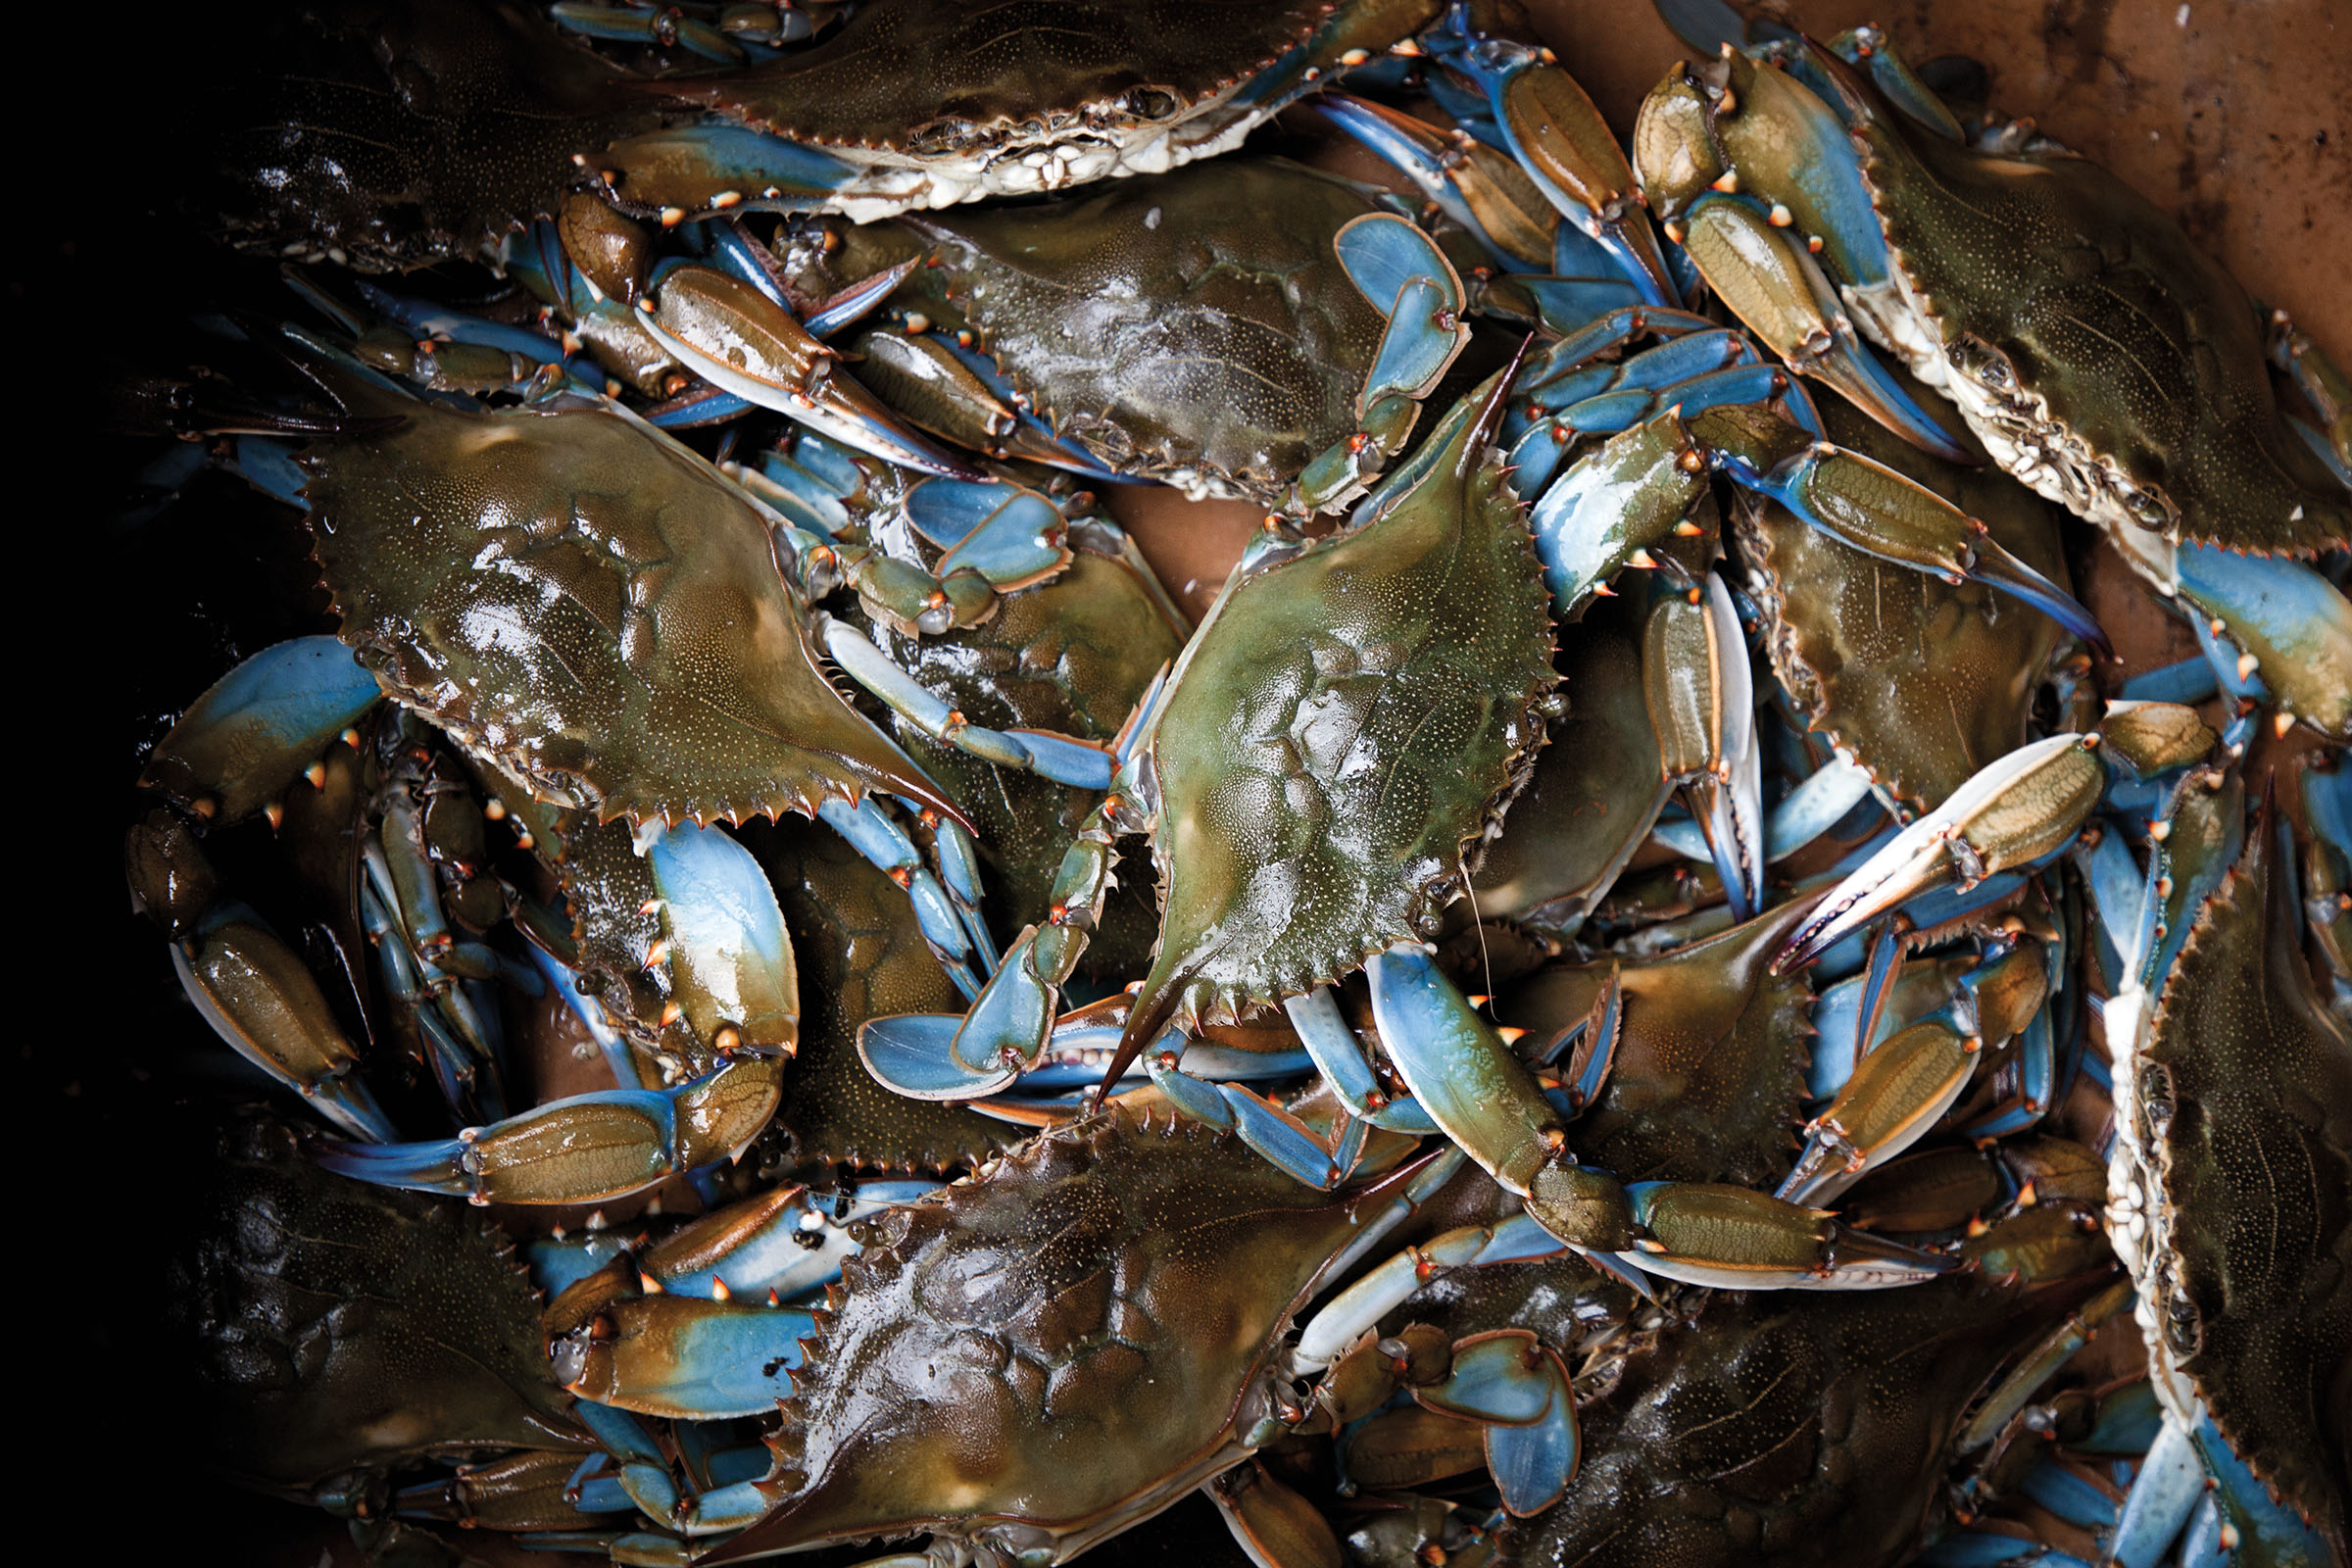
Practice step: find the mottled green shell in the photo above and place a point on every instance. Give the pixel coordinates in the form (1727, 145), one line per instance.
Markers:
(1923, 681)
(344, 1325)
(1073, 656)
(2139, 343)
(1190, 324)
(587, 602)
(1340, 735)
(403, 133)
(1780, 1427)
(930, 75)
(1596, 786)
(861, 955)
(1055, 1350)
(2246, 1101)
(1711, 1053)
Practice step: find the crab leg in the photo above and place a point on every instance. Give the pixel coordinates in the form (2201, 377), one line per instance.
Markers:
(2017, 813)
(1402, 272)
(1563, 146)
(2290, 627)
(584, 1148)
(1902, 1086)
(1695, 668)
(735, 338)
(1489, 1104)
(727, 963)
(948, 917)
(1063, 759)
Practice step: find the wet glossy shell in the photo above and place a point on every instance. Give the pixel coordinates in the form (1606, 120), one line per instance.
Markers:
(342, 1324)
(995, 69)
(1340, 735)
(1924, 682)
(398, 133)
(1053, 1351)
(1191, 323)
(1780, 1427)
(584, 600)
(2122, 333)
(861, 955)
(1710, 1060)
(2246, 1098)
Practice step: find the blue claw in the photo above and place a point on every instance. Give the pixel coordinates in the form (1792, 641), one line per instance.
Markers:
(1407, 278)
(2170, 1483)
(912, 1054)
(1533, 1464)
(247, 739)
(610, 1042)
(2294, 625)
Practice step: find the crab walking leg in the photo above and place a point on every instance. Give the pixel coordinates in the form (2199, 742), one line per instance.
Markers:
(2015, 814)
(741, 341)
(728, 960)
(1902, 1087)
(1063, 759)
(1489, 1104)
(1563, 145)
(946, 916)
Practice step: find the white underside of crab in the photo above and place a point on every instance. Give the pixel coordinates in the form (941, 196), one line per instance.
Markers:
(892, 182)
(2139, 1220)
(2031, 444)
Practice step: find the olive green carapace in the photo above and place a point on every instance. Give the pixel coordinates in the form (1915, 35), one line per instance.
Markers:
(1342, 734)
(2138, 342)
(584, 600)
(1596, 786)
(1922, 681)
(1709, 1067)
(1783, 1427)
(342, 1326)
(1194, 325)
(862, 955)
(2246, 1100)
(984, 69)
(1048, 1354)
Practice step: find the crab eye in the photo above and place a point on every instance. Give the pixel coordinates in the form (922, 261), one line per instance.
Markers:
(1149, 102)
(1981, 363)
(2148, 509)
(2183, 1325)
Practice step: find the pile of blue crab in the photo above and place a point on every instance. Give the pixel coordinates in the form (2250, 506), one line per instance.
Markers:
(1682, 1006)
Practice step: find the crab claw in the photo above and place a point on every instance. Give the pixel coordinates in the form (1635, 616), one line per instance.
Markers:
(942, 1056)
(1568, 151)
(2012, 816)
(1701, 696)
(1735, 1239)
(737, 338)
(1767, 279)
(2286, 621)
(1876, 509)
(1467, 182)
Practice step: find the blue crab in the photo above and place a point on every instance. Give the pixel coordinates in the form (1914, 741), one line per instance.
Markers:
(2016, 282)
